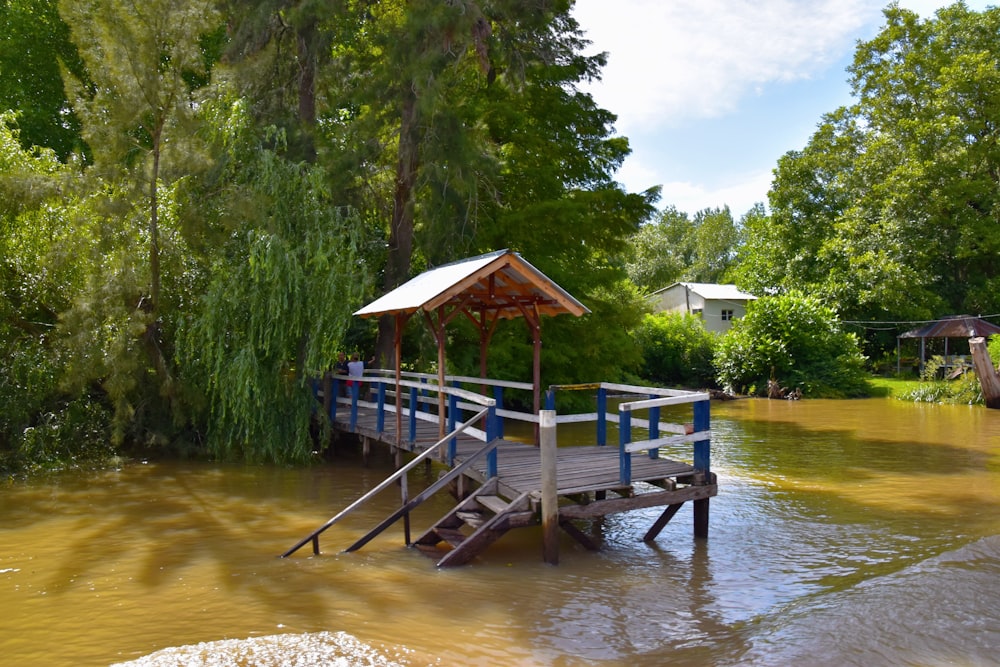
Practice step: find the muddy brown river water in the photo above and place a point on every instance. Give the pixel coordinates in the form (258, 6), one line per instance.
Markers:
(845, 533)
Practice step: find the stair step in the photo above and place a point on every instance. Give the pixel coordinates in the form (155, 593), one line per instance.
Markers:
(450, 535)
(495, 504)
(429, 550)
(472, 518)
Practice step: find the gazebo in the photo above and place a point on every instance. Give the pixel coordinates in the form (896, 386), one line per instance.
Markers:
(953, 326)
(485, 289)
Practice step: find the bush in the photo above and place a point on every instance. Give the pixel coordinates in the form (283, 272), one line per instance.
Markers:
(963, 390)
(676, 350)
(796, 342)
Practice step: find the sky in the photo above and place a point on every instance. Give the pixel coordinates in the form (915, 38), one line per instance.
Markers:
(710, 93)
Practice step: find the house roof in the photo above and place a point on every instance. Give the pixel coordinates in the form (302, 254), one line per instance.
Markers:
(500, 282)
(954, 326)
(712, 291)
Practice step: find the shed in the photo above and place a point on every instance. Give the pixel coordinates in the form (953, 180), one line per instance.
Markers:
(717, 305)
(953, 326)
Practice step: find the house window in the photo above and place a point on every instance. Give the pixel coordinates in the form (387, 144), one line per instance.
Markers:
(696, 312)
(727, 315)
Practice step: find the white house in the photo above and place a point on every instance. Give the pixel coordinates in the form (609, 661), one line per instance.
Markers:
(718, 305)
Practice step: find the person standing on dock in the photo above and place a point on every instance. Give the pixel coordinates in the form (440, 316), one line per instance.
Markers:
(341, 371)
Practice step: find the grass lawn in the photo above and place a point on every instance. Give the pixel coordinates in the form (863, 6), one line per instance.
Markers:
(883, 386)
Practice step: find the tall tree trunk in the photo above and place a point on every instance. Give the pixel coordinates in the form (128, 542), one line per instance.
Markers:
(153, 334)
(397, 266)
(306, 39)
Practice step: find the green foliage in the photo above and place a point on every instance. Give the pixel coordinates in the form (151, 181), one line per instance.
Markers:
(964, 389)
(993, 346)
(279, 300)
(676, 248)
(890, 212)
(34, 47)
(677, 350)
(180, 280)
(795, 341)
(44, 423)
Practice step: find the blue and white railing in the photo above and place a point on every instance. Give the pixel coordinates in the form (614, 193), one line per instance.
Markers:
(420, 401)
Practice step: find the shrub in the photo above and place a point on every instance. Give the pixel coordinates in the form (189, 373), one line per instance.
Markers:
(676, 350)
(795, 341)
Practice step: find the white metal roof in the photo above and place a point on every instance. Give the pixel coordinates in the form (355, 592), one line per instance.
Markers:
(500, 281)
(712, 291)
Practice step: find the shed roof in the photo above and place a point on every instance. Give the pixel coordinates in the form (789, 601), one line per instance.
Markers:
(712, 291)
(500, 282)
(955, 326)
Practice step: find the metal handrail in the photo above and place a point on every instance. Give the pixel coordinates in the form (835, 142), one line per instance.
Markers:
(388, 481)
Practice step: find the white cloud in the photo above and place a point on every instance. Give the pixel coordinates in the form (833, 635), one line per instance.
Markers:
(673, 61)
(687, 68)
(739, 193)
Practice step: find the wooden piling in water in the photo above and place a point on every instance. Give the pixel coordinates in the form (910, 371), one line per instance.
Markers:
(550, 496)
(987, 374)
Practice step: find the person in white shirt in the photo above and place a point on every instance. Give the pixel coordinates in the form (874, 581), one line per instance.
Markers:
(355, 367)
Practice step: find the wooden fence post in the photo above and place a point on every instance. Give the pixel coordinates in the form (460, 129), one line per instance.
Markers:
(550, 498)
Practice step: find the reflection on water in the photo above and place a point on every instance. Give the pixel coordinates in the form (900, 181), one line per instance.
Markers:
(858, 533)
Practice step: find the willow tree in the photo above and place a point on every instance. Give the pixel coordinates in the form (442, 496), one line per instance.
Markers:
(279, 293)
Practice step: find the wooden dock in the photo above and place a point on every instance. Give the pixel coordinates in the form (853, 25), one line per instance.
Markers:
(500, 484)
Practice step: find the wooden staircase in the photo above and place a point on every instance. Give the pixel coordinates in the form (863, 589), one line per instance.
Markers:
(475, 523)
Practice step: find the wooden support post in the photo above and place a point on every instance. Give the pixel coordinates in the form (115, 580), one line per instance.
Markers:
(987, 374)
(550, 498)
(405, 494)
(661, 522)
(366, 450)
(327, 393)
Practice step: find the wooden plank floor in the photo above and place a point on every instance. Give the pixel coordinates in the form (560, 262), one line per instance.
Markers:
(580, 469)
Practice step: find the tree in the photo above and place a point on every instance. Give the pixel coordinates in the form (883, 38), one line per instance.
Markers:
(677, 247)
(138, 112)
(714, 241)
(279, 292)
(891, 210)
(556, 202)
(676, 349)
(35, 46)
(43, 423)
(660, 252)
(795, 342)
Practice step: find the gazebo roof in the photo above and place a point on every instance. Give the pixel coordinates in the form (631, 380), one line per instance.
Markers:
(500, 282)
(955, 326)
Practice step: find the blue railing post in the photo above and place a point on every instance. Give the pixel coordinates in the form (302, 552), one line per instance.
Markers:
(550, 399)
(654, 429)
(491, 434)
(602, 417)
(498, 397)
(702, 462)
(452, 420)
(423, 392)
(333, 399)
(702, 448)
(355, 393)
(413, 416)
(624, 438)
(380, 414)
